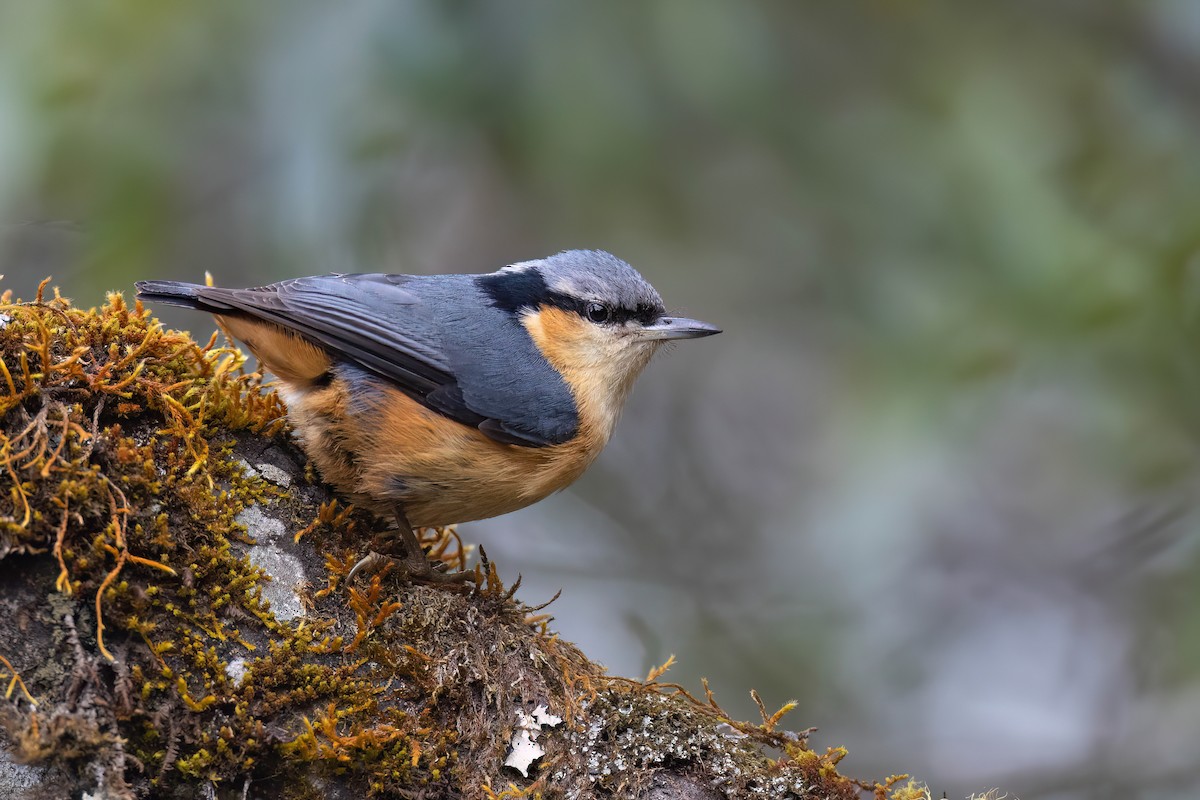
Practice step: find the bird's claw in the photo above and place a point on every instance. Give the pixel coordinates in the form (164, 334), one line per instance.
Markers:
(416, 570)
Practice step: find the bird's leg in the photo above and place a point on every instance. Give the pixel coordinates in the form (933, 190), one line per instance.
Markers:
(412, 559)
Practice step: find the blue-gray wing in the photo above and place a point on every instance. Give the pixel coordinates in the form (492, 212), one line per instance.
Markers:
(435, 337)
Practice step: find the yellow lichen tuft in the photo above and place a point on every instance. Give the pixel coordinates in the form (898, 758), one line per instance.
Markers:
(909, 791)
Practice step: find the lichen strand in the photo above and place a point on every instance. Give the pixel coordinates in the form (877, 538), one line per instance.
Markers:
(127, 454)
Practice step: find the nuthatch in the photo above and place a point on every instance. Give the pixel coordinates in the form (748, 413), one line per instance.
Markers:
(447, 398)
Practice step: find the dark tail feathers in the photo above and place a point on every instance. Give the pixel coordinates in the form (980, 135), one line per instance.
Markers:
(177, 293)
(173, 293)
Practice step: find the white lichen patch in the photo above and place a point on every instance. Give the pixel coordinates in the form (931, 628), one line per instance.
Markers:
(621, 743)
(236, 670)
(15, 777)
(286, 573)
(275, 475)
(525, 749)
(266, 471)
(262, 527)
(729, 732)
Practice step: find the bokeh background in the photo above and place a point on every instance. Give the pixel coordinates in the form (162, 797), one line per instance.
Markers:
(937, 481)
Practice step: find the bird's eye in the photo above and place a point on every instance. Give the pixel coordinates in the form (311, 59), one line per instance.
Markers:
(597, 312)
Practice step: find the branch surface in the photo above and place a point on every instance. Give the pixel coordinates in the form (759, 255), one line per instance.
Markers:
(174, 620)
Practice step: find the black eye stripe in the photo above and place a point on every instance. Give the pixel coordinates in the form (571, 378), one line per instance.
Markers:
(643, 314)
(526, 289)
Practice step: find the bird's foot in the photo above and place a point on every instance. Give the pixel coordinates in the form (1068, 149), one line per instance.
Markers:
(414, 565)
(415, 569)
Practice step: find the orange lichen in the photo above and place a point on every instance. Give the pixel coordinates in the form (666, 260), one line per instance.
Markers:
(370, 610)
(15, 681)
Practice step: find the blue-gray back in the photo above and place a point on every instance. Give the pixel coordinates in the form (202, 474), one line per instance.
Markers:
(439, 338)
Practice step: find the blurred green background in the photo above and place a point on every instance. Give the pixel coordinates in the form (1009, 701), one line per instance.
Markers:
(938, 480)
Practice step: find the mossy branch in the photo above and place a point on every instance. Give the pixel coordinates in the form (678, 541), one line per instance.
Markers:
(174, 624)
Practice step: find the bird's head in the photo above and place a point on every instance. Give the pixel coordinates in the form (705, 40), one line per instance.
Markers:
(594, 318)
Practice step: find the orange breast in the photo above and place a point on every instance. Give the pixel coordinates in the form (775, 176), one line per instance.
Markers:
(440, 471)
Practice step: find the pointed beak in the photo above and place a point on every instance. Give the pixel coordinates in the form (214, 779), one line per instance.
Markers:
(677, 328)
